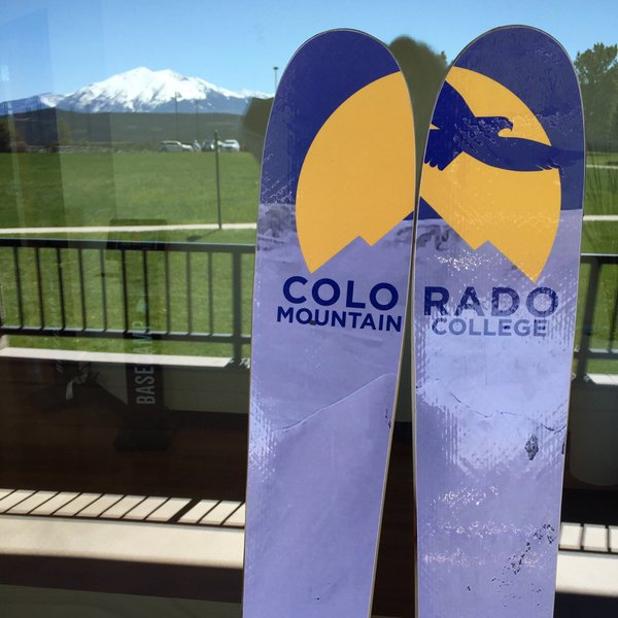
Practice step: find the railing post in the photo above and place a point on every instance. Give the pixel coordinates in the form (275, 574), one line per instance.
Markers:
(168, 300)
(82, 288)
(103, 273)
(211, 302)
(189, 286)
(612, 328)
(146, 292)
(237, 306)
(125, 291)
(20, 303)
(60, 273)
(588, 319)
(39, 283)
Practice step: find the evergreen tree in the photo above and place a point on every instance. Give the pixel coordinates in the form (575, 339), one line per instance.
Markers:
(597, 69)
(5, 135)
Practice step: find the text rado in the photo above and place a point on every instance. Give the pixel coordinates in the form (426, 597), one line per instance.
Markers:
(325, 302)
(503, 312)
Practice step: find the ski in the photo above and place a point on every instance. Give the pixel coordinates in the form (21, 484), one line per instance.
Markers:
(330, 292)
(496, 273)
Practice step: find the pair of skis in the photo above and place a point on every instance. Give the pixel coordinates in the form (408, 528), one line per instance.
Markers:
(495, 283)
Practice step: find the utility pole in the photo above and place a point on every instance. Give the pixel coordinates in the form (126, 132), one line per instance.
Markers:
(197, 131)
(176, 112)
(217, 181)
(275, 69)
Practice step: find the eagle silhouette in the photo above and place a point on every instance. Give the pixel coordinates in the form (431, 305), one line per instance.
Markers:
(459, 130)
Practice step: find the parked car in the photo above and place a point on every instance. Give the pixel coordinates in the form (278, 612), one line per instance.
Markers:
(230, 145)
(172, 145)
(226, 145)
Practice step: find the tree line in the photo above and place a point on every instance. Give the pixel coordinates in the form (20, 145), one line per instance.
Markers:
(597, 69)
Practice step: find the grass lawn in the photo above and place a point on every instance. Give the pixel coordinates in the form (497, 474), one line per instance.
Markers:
(73, 189)
(601, 191)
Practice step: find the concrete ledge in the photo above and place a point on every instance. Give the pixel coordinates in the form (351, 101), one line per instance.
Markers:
(220, 548)
(587, 574)
(174, 360)
(603, 379)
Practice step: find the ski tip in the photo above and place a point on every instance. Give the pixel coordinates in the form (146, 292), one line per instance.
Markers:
(508, 116)
(340, 143)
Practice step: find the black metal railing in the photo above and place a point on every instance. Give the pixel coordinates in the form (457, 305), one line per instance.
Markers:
(45, 272)
(584, 351)
(31, 307)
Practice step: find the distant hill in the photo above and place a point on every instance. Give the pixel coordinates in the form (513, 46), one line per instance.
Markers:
(29, 104)
(51, 127)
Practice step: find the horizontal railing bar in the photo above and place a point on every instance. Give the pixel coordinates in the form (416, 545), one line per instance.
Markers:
(127, 245)
(120, 334)
(597, 354)
(603, 258)
(183, 335)
(157, 245)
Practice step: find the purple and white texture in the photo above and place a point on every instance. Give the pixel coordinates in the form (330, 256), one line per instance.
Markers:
(321, 414)
(491, 422)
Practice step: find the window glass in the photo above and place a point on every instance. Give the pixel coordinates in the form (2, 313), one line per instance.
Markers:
(131, 137)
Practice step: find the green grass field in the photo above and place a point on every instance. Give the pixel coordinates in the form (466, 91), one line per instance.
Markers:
(75, 189)
(72, 189)
(96, 188)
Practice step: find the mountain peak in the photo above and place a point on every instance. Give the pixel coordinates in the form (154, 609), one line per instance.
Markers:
(142, 89)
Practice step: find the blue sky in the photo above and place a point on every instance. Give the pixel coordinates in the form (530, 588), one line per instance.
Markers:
(60, 45)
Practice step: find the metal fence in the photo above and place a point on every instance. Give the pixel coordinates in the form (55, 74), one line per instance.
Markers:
(30, 297)
(34, 262)
(597, 264)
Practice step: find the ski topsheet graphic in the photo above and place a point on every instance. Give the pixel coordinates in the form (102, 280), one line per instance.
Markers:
(496, 270)
(331, 285)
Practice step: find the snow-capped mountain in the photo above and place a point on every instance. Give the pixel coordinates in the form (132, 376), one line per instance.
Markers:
(142, 90)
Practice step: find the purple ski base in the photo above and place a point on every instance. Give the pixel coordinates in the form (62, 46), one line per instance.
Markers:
(319, 448)
(490, 451)
(327, 336)
(494, 346)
